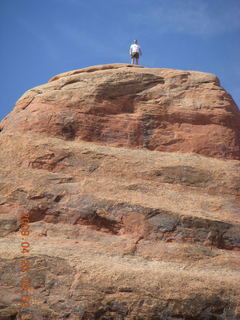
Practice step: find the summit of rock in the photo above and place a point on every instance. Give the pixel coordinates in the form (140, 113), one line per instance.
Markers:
(131, 106)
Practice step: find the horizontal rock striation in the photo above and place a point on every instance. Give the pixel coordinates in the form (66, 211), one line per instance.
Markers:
(120, 227)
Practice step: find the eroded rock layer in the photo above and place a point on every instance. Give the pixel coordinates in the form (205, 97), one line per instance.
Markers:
(121, 233)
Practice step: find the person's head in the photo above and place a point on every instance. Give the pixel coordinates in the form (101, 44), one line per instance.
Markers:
(135, 41)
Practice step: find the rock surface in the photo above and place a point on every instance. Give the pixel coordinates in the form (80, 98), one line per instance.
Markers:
(130, 232)
(134, 107)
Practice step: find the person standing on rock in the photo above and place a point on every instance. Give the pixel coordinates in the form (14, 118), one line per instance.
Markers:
(135, 51)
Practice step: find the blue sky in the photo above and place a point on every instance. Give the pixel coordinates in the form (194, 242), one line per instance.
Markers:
(42, 38)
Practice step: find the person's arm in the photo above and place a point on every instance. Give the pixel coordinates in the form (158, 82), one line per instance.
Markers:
(130, 50)
(140, 51)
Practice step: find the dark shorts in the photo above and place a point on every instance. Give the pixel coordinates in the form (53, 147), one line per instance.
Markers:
(135, 55)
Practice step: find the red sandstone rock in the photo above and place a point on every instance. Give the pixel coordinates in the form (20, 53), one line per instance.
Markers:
(122, 233)
(130, 106)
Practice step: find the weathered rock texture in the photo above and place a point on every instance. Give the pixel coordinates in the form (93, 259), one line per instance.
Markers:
(122, 233)
(133, 107)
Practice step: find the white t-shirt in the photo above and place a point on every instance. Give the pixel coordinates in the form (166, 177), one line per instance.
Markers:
(135, 48)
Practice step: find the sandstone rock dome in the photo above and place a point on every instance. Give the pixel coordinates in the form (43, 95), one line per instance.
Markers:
(129, 106)
(131, 180)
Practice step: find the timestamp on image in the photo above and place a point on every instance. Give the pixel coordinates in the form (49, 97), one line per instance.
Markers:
(25, 280)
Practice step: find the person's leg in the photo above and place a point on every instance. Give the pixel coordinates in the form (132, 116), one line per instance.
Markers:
(137, 57)
(132, 60)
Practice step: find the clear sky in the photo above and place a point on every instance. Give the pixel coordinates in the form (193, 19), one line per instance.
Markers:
(42, 38)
